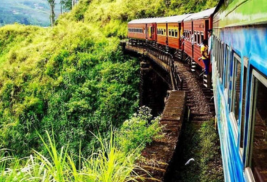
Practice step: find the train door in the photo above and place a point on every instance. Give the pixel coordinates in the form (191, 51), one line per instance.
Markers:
(167, 34)
(146, 32)
(206, 28)
(150, 32)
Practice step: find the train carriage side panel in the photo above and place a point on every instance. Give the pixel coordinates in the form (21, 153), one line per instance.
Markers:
(162, 33)
(137, 31)
(201, 27)
(244, 41)
(173, 35)
(187, 41)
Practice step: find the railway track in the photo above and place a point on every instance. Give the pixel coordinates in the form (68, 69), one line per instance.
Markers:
(199, 101)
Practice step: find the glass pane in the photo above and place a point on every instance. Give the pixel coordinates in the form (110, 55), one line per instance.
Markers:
(223, 51)
(259, 153)
(231, 73)
(243, 107)
(226, 70)
(236, 87)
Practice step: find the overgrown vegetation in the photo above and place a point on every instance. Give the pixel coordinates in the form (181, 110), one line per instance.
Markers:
(73, 79)
(112, 162)
(201, 143)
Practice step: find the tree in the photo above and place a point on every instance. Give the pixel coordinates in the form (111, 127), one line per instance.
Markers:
(52, 4)
(67, 4)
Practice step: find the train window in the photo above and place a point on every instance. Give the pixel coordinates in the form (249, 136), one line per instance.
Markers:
(216, 56)
(217, 52)
(230, 77)
(201, 38)
(227, 61)
(172, 32)
(195, 37)
(236, 86)
(219, 59)
(257, 159)
(244, 86)
(222, 60)
(176, 33)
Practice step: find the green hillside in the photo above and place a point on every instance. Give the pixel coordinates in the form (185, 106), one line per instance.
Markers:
(28, 12)
(71, 81)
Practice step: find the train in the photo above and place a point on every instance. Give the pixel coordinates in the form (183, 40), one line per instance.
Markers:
(238, 75)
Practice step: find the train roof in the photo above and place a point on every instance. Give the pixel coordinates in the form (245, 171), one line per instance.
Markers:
(201, 15)
(144, 20)
(170, 19)
(173, 19)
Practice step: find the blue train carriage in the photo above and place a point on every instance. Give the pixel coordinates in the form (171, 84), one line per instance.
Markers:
(239, 62)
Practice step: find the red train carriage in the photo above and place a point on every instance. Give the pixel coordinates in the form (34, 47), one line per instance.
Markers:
(143, 29)
(175, 31)
(200, 22)
(188, 29)
(137, 29)
(162, 36)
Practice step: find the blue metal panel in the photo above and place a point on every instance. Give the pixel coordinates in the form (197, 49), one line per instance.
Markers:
(249, 42)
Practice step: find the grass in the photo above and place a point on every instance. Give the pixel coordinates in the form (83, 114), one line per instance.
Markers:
(108, 164)
(113, 161)
(200, 142)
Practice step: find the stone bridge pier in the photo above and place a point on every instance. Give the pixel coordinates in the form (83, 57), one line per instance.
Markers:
(153, 86)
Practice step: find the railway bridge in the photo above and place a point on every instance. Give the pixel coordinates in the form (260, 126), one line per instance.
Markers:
(169, 87)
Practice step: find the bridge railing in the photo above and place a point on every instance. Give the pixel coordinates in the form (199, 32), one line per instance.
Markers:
(168, 59)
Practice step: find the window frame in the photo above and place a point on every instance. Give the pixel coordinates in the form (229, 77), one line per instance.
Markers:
(235, 121)
(226, 68)
(251, 119)
(222, 61)
(243, 97)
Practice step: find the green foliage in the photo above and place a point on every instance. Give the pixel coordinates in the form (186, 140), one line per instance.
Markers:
(135, 131)
(111, 162)
(113, 15)
(202, 144)
(72, 81)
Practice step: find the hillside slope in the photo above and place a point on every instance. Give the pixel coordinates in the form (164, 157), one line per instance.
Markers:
(73, 78)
